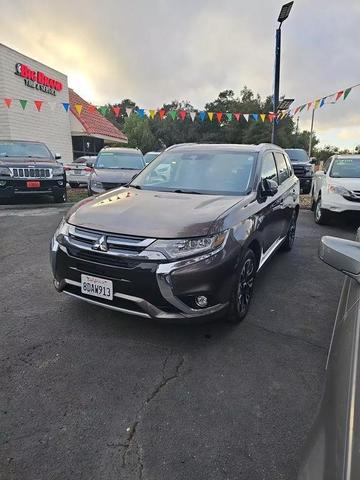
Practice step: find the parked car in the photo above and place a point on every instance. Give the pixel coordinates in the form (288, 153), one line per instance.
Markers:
(29, 168)
(78, 172)
(333, 447)
(336, 189)
(303, 167)
(150, 156)
(185, 245)
(113, 168)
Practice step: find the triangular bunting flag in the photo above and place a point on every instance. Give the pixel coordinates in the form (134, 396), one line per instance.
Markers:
(271, 117)
(173, 114)
(66, 106)
(140, 112)
(229, 116)
(255, 116)
(246, 116)
(302, 107)
(192, 115)
(338, 95)
(162, 113)
(316, 104)
(91, 108)
(152, 114)
(103, 109)
(202, 116)
(38, 104)
(211, 116)
(23, 104)
(346, 93)
(330, 99)
(237, 116)
(129, 111)
(309, 105)
(262, 116)
(182, 114)
(116, 111)
(78, 108)
(8, 102)
(219, 116)
(296, 110)
(322, 102)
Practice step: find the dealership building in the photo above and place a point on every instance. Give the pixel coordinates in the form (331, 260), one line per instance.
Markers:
(40, 87)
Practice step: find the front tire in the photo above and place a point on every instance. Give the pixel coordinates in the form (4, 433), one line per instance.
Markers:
(243, 288)
(60, 197)
(321, 216)
(290, 237)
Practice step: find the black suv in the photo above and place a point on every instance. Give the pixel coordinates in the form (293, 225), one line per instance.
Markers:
(28, 168)
(185, 238)
(303, 167)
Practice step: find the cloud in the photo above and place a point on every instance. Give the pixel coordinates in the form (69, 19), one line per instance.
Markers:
(155, 51)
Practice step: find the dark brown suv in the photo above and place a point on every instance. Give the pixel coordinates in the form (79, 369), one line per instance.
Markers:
(185, 238)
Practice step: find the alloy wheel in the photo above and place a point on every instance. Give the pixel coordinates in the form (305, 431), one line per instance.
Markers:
(246, 284)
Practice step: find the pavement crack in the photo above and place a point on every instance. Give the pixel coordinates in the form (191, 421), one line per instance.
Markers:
(165, 380)
(288, 335)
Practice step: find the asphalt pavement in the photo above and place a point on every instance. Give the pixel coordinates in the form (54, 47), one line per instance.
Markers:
(87, 393)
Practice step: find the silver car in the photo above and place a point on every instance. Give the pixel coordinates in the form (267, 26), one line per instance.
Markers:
(78, 172)
(333, 448)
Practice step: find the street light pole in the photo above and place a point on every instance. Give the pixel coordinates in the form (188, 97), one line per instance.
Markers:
(284, 13)
(311, 131)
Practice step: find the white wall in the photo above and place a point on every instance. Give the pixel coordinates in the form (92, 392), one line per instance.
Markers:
(50, 127)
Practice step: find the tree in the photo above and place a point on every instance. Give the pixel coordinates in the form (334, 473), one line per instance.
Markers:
(139, 134)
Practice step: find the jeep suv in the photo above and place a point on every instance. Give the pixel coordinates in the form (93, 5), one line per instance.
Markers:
(28, 168)
(185, 238)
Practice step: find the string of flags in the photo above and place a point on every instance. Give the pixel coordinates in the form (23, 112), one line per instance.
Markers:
(181, 114)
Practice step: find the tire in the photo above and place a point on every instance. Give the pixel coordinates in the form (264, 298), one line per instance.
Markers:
(60, 197)
(74, 185)
(243, 288)
(321, 216)
(288, 243)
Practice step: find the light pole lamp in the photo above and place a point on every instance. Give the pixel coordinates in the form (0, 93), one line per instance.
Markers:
(284, 13)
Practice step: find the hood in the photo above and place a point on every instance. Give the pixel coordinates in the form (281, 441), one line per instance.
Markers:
(349, 183)
(151, 214)
(27, 162)
(294, 163)
(113, 175)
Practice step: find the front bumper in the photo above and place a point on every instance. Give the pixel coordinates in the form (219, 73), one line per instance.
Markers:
(162, 291)
(14, 188)
(338, 204)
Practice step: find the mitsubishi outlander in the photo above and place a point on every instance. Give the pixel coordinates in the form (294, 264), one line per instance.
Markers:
(185, 238)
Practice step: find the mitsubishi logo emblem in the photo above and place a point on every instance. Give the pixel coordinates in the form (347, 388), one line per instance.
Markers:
(101, 244)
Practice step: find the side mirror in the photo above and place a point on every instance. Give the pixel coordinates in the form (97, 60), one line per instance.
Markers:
(313, 161)
(57, 156)
(269, 187)
(341, 254)
(90, 164)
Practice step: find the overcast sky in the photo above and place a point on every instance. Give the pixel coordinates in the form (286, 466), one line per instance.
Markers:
(154, 51)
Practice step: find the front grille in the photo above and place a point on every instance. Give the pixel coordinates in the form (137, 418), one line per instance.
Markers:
(299, 171)
(105, 248)
(31, 172)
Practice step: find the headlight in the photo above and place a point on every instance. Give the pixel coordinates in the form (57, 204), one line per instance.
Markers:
(62, 229)
(58, 171)
(96, 184)
(189, 246)
(309, 171)
(4, 171)
(338, 189)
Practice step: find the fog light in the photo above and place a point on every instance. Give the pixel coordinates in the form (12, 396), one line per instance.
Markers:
(60, 182)
(2, 183)
(201, 301)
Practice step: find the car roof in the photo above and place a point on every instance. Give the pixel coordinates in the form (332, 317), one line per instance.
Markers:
(347, 155)
(22, 141)
(121, 149)
(225, 146)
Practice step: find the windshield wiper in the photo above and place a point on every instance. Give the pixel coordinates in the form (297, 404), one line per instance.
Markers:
(135, 186)
(185, 191)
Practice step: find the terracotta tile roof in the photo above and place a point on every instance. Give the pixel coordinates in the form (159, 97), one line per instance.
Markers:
(93, 122)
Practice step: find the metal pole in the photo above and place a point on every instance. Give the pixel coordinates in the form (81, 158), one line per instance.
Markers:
(311, 131)
(276, 80)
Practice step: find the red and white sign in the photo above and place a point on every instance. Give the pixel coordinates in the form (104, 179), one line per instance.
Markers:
(38, 79)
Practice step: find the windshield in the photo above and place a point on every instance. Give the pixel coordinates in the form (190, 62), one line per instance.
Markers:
(345, 168)
(297, 155)
(119, 160)
(150, 156)
(24, 149)
(208, 171)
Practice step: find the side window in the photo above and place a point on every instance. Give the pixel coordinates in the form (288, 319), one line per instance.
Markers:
(327, 164)
(281, 167)
(268, 169)
(288, 163)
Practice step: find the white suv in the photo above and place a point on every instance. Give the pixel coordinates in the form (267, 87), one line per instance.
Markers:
(337, 187)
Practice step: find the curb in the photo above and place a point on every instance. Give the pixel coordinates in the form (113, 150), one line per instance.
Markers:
(36, 205)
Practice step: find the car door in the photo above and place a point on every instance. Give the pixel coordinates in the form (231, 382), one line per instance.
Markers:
(287, 193)
(270, 214)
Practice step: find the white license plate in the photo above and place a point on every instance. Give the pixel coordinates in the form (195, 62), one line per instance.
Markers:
(77, 172)
(96, 287)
